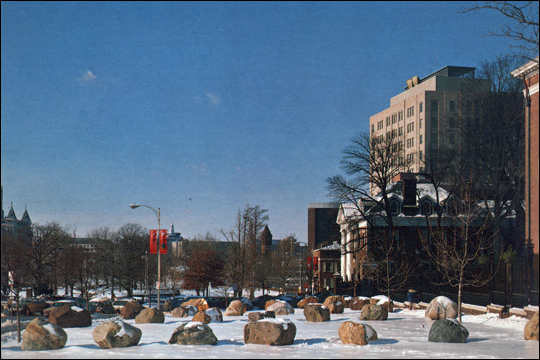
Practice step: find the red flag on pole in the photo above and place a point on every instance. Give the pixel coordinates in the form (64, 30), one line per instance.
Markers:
(309, 264)
(163, 249)
(315, 264)
(153, 241)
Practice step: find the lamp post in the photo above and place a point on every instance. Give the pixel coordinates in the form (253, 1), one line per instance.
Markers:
(158, 215)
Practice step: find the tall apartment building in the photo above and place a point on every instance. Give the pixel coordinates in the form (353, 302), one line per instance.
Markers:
(427, 115)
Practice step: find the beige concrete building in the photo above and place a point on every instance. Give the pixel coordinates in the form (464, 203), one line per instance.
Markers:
(428, 114)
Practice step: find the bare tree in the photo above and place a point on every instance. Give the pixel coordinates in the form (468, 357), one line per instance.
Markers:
(46, 243)
(456, 250)
(524, 27)
(132, 244)
(372, 165)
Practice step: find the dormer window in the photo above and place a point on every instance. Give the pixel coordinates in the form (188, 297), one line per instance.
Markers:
(426, 208)
(394, 207)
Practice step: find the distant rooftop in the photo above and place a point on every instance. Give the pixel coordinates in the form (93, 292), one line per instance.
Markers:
(453, 71)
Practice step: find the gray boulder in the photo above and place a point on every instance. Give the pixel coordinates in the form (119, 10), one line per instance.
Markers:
(281, 308)
(42, 335)
(316, 312)
(193, 333)
(270, 332)
(151, 315)
(448, 331)
(116, 334)
(184, 311)
(374, 312)
(358, 303)
(215, 314)
(259, 315)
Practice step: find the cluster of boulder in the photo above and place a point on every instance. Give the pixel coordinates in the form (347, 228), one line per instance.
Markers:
(263, 326)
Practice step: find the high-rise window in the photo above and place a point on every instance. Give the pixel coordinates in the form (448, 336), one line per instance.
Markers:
(452, 106)
(434, 105)
(421, 107)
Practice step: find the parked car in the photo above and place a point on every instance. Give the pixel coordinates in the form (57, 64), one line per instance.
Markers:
(119, 304)
(101, 306)
(59, 303)
(28, 306)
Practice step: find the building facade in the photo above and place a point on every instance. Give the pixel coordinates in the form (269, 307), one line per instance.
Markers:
(530, 76)
(322, 227)
(10, 223)
(427, 116)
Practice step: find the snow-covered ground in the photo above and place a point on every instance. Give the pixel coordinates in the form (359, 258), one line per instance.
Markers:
(403, 335)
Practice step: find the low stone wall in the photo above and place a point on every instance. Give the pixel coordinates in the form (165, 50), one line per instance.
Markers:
(468, 309)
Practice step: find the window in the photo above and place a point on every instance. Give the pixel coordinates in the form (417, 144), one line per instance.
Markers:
(426, 208)
(394, 118)
(421, 156)
(372, 128)
(410, 127)
(452, 106)
(421, 107)
(400, 131)
(388, 121)
(420, 125)
(400, 116)
(394, 207)
(421, 139)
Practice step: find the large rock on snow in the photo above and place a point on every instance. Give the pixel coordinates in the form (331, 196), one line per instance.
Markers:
(374, 312)
(215, 314)
(359, 333)
(151, 315)
(236, 308)
(448, 331)
(184, 311)
(316, 312)
(193, 333)
(116, 334)
(270, 332)
(531, 328)
(200, 303)
(335, 304)
(42, 335)
(131, 310)
(358, 303)
(441, 308)
(308, 300)
(259, 315)
(383, 301)
(281, 308)
(68, 317)
(201, 316)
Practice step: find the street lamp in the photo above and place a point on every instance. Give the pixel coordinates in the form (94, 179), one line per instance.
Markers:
(158, 215)
(337, 275)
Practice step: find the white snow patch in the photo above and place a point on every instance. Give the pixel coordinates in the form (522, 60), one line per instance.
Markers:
(51, 329)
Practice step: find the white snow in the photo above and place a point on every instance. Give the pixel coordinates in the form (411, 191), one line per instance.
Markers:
(403, 335)
(443, 300)
(51, 329)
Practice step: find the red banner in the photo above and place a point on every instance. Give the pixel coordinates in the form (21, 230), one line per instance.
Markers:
(309, 263)
(315, 264)
(163, 249)
(154, 243)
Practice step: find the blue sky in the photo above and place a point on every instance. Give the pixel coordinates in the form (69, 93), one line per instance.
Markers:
(201, 108)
